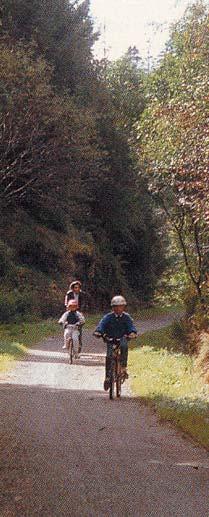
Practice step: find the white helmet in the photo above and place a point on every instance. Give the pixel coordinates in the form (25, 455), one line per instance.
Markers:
(118, 300)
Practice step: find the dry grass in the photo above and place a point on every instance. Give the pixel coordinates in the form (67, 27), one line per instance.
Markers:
(202, 361)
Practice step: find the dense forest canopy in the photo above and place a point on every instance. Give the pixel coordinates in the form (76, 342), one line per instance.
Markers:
(71, 199)
(103, 166)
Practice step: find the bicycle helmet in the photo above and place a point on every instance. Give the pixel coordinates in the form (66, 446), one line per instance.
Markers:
(72, 303)
(118, 300)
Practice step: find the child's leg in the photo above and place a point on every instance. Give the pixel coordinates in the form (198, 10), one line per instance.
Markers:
(75, 337)
(108, 360)
(67, 337)
(124, 351)
(80, 338)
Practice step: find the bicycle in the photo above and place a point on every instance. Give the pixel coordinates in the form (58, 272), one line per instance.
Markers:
(70, 350)
(116, 377)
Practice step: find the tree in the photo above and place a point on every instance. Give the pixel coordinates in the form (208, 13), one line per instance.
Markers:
(67, 162)
(136, 223)
(63, 34)
(174, 139)
(126, 83)
(45, 138)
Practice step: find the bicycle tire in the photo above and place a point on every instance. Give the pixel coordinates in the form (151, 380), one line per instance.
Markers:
(118, 379)
(71, 352)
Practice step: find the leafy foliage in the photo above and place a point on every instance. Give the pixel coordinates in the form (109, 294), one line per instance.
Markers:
(63, 34)
(175, 139)
(126, 82)
(68, 175)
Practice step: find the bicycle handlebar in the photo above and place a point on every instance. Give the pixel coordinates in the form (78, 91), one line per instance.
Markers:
(111, 339)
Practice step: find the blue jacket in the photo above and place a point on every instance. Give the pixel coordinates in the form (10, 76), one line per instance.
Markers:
(116, 326)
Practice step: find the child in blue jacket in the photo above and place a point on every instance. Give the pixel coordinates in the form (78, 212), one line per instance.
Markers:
(117, 324)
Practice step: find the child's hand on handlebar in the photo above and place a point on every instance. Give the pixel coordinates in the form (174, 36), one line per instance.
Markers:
(97, 334)
(132, 335)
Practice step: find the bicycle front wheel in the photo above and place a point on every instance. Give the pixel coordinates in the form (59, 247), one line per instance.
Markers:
(112, 381)
(118, 380)
(71, 352)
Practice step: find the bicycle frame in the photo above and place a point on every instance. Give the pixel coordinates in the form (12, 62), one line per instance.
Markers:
(115, 369)
(70, 350)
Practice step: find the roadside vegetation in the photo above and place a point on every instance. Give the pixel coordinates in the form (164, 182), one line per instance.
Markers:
(170, 141)
(71, 199)
(16, 338)
(157, 311)
(169, 380)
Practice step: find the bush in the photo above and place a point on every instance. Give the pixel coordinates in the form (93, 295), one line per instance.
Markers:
(14, 305)
(6, 255)
(202, 361)
(50, 301)
(43, 302)
(179, 331)
(190, 300)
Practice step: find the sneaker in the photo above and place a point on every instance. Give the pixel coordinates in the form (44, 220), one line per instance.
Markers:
(64, 347)
(124, 373)
(106, 384)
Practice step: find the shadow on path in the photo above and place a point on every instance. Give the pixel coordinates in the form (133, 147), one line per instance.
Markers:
(68, 452)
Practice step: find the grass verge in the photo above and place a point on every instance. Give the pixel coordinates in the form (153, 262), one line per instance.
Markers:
(166, 378)
(157, 311)
(16, 338)
(92, 321)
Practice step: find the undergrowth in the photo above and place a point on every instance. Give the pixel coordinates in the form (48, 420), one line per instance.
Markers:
(167, 378)
(16, 338)
(157, 311)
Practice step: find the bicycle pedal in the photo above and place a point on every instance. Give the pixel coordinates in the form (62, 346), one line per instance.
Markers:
(124, 377)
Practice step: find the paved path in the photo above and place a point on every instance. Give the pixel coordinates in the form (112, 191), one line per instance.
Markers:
(70, 452)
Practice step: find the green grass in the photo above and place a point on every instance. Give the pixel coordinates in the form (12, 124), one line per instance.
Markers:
(16, 338)
(162, 339)
(92, 321)
(166, 378)
(157, 311)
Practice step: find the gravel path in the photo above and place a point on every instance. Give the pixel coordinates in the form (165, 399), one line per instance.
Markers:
(69, 451)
